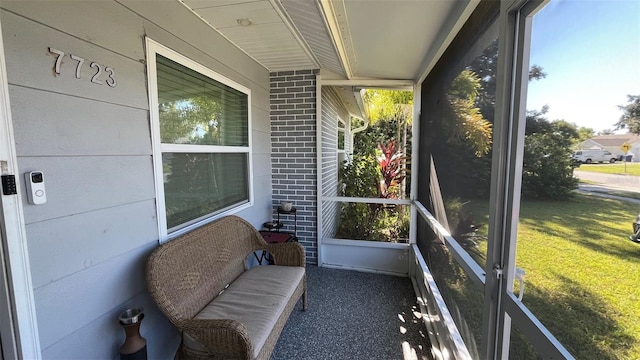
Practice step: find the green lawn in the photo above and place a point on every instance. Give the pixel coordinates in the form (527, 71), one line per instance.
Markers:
(582, 275)
(617, 168)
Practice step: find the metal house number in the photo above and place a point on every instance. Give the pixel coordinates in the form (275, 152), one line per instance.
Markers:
(109, 76)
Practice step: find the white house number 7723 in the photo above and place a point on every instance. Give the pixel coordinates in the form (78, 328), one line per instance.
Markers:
(110, 73)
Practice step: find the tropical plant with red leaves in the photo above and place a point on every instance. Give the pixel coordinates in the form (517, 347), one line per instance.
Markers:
(391, 168)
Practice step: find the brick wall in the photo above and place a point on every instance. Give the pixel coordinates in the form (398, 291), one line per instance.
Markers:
(293, 151)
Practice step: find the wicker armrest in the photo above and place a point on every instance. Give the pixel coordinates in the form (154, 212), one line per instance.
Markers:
(221, 337)
(287, 254)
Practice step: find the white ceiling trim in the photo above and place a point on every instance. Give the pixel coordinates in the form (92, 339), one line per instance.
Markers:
(371, 83)
(335, 15)
(310, 21)
(294, 31)
(351, 100)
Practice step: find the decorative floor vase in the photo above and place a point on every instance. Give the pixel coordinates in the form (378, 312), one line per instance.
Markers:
(134, 346)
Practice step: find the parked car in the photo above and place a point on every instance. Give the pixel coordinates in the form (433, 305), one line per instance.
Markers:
(592, 156)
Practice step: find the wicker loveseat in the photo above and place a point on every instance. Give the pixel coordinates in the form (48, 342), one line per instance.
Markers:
(224, 310)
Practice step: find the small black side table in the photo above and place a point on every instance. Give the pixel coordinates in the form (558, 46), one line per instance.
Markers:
(293, 211)
(273, 234)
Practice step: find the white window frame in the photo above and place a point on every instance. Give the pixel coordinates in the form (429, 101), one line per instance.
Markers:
(158, 148)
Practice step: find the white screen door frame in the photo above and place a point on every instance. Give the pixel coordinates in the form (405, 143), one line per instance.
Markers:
(502, 308)
(18, 324)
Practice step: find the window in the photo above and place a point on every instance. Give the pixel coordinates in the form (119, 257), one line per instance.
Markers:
(341, 134)
(341, 143)
(201, 136)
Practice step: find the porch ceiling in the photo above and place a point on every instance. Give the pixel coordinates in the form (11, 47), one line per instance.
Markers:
(353, 39)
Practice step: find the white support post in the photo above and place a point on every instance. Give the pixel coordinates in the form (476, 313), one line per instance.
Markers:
(319, 168)
(415, 160)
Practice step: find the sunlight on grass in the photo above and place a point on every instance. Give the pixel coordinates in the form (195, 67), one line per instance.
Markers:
(617, 168)
(582, 274)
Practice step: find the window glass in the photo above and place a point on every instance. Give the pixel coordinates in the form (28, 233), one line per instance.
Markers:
(341, 139)
(197, 184)
(582, 270)
(341, 134)
(202, 151)
(195, 109)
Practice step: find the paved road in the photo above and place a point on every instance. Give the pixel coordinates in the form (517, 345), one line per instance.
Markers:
(601, 191)
(612, 181)
(608, 183)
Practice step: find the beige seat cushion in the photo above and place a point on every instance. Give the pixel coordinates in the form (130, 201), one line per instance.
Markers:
(256, 299)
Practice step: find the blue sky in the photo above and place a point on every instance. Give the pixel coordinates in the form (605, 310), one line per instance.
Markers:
(590, 50)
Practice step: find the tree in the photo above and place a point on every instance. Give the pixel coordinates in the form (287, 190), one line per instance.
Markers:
(461, 138)
(373, 177)
(378, 169)
(468, 124)
(191, 120)
(630, 119)
(391, 111)
(393, 108)
(584, 133)
(536, 73)
(485, 67)
(547, 171)
(547, 166)
(388, 105)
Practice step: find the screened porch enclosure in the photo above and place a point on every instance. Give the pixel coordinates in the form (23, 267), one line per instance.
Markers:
(467, 178)
(241, 105)
(364, 167)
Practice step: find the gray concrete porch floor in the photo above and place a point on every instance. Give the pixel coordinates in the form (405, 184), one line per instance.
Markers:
(354, 315)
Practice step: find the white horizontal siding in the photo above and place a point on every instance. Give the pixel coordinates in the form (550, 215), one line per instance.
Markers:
(78, 184)
(94, 21)
(159, 346)
(95, 291)
(118, 230)
(332, 109)
(91, 130)
(30, 64)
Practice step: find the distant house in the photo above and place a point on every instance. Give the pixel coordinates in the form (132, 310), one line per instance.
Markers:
(613, 143)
